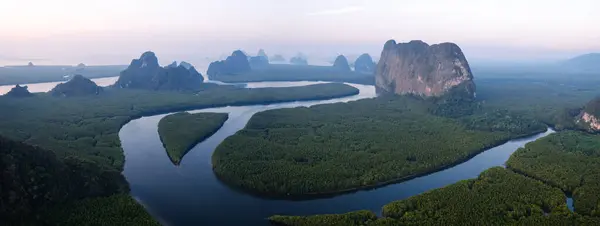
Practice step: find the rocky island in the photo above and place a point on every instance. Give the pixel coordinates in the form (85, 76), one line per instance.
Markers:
(77, 86)
(235, 64)
(18, 91)
(146, 73)
(364, 64)
(180, 132)
(261, 60)
(341, 63)
(420, 69)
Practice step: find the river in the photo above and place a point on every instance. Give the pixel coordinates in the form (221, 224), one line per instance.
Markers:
(190, 194)
(47, 86)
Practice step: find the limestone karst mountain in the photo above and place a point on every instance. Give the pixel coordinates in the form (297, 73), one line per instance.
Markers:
(420, 69)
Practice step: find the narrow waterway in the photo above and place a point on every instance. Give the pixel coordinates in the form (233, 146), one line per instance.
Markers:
(190, 194)
(47, 86)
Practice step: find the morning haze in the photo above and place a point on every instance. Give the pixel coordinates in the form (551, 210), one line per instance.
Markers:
(299, 113)
(112, 31)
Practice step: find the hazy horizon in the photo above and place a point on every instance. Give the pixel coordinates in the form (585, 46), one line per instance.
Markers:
(114, 32)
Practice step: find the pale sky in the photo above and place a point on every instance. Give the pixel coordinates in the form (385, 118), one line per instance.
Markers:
(114, 31)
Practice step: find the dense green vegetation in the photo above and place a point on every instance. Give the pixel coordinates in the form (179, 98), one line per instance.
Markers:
(34, 181)
(37, 74)
(180, 132)
(497, 197)
(83, 133)
(345, 146)
(287, 72)
(361, 217)
(569, 160)
(555, 101)
(115, 210)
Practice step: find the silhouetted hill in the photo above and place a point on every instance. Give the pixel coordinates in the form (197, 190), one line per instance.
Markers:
(234, 64)
(19, 91)
(585, 63)
(146, 73)
(77, 86)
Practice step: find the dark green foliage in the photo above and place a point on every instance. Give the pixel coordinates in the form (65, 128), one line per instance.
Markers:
(553, 100)
(19, 91)
(285, 72)
(180, 132)
(503, 120)
(345, 146)
(34, 180)
(77, 86)
(83, 133)
(569, 160)
(116, 210)
(497, 197)
(362, 217)
(88, 126)
(38, 74)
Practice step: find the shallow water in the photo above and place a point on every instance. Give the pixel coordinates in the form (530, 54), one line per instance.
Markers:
(190, 194)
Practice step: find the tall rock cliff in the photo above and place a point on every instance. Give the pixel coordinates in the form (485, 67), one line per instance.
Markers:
(341, 63)
(420, 69)
(364, 64)
(589, 118)
(146, 73)
(235, 64)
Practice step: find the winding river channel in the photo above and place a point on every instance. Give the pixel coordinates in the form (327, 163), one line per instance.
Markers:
(190, 194)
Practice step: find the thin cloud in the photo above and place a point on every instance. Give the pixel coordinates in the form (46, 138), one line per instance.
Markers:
(339, 11)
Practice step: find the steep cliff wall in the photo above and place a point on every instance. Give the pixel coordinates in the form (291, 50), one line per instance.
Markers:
(420, 69)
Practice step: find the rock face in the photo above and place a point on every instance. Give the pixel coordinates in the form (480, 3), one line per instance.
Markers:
(420, 69)
(590, 115)
(145, 73)
(235, 64)
(18, 91)
(341, 63)
(77, 86)
(364, 64)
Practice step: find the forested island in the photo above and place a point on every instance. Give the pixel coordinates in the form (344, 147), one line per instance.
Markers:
(41, 188)
(347, 146)
(569, 160)
(180, 132)
(497, 197)
(82, 130)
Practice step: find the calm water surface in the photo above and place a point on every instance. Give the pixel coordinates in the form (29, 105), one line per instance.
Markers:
(190, 194)
(47, 86)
